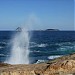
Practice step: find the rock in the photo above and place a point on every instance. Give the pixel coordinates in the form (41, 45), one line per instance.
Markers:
(61, 66)
(4, 65)
(19, 29)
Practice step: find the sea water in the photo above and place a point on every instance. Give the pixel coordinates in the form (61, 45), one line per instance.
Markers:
(42, 46)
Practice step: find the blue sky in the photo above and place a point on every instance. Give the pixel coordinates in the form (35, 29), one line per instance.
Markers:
(37, 14)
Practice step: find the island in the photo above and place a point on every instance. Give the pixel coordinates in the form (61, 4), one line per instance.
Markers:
(52, 30)
(19, 29)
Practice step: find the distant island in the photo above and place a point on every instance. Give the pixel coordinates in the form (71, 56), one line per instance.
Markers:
(52, 30)
(19, 29)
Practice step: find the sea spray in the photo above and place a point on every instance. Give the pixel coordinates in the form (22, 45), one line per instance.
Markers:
(20, 48)
(20, 43)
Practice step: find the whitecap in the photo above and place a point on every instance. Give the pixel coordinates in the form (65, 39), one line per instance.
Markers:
(3, 43)
(35, 51)
(42, 45)
(1, 47)
(55, 56)
(41, 61)
(3, 55)
(39, 45)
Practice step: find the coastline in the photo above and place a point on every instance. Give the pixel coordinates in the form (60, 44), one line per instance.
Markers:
(64, 65)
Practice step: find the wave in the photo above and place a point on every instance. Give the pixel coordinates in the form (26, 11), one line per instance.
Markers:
(66, 48)
(66, 44)
(42, 45)
(33, 44)
(3, 55)
(35, 51)
(41, 61)
(49, 58)
(3, 43)
(1, 47)
(53, 57)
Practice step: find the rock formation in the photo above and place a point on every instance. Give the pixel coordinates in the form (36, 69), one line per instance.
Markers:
(19, 29)
(61, 66)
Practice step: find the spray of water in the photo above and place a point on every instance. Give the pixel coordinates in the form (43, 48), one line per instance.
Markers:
(20, 43)
(20, 48)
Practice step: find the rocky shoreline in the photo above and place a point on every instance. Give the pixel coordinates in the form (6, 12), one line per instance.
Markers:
(64, 65)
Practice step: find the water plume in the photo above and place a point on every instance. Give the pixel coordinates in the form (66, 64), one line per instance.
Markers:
(20, 43)
(20, 48)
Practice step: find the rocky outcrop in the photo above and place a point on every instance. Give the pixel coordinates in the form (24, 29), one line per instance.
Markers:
(19, 29)
(65, 67)
(61, 66)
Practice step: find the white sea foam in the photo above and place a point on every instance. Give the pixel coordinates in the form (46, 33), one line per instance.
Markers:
(41, 61)
(39, 45)
(53, 57)
(3, 55)
(1, 47)
(42, 45)
(35, 51)
(3, 42)
(65, 48)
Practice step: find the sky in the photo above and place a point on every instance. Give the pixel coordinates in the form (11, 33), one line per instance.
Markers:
(37, 14)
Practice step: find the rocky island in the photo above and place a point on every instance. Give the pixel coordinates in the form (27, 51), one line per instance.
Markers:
(52, 29)
(64, 65)
(19, 29)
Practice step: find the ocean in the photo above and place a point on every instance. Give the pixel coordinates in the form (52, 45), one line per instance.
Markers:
(43, 45)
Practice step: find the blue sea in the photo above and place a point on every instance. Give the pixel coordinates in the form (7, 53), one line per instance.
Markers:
(43, 45)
